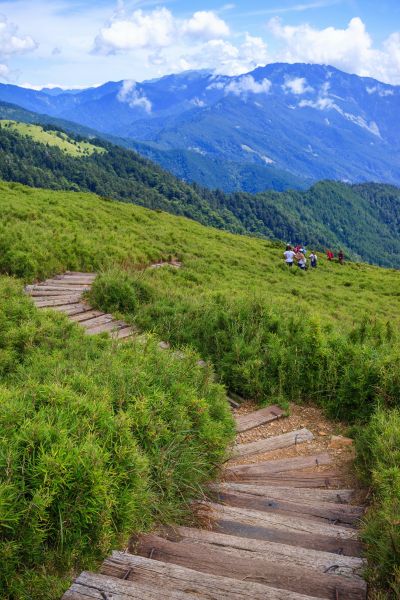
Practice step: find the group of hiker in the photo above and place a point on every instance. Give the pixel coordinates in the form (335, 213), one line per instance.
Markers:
(298, 255)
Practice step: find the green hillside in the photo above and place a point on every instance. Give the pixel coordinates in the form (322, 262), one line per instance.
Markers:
(363, 220)
(153, 427)
(59, 139)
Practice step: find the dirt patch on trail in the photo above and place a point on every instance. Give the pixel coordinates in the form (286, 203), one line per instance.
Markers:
(323, 430)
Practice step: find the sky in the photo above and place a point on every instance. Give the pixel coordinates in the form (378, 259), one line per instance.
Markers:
(81, 43)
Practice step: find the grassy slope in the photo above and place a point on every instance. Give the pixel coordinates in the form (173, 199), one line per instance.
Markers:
(53, 138)
(362, 220)
(44, 232)
(330, 335)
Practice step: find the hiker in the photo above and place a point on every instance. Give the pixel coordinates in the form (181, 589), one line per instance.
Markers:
(313, 260)
(297, 249)
(341, 257)
(330, 255)
(289, 256)
(301, 261)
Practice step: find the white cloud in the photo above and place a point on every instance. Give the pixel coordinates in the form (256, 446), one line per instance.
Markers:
(350, 49)
(11, 43)
(324, 102)
(133, 96)
(205, 25)
(297, 86)
(223, 57)
(381, 91)
(152, 30)
(245, 85)
(157, 29)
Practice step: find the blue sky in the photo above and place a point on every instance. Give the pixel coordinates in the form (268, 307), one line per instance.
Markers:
(76, 43)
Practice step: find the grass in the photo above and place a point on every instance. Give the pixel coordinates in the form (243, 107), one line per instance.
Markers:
(53, 138)
(97, 441)
(329, 335)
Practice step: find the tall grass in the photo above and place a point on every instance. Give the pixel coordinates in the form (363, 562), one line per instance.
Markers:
(330, 335)
(97, 441)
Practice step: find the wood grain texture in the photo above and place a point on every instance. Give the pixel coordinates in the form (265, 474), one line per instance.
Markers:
(280, 574)
(204, 586)
(270, 444)
(258, 417)
(270, 467)
(304, 495)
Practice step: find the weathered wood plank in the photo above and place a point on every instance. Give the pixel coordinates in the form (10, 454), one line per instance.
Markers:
(70, 309)
(297, 479)
(283, 493)
(61, 301)
(285, 522)
(323, 512)
(125, 333)
(95, 321)
(204, 586)
(88, 314)
(99, 587)
(280, 574)
(258, 417)
(105, 328)
(270, 467)
(324, 562)
(292, 438)
(54, 291)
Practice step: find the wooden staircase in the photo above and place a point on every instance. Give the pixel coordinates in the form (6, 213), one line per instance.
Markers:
(278, 529)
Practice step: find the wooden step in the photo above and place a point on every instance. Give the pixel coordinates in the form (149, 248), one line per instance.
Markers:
(298, 479)
(167, 576)
(283, 493)
(95, 321)
(270, 467)
(50, 291)
(64, 284)
(106, 328)
(258, 417)
(283, 529)
(324, 562)
(90, 586)
(87, 314)
(292, 438)
(244, 565)
(71, 309)
(323, 511)
(124, 334)
(61, 301)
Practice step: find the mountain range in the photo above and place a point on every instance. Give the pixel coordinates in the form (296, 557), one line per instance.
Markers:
(281, 126)
(363, 220)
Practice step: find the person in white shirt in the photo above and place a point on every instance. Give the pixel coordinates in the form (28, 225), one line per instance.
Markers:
(289, 256)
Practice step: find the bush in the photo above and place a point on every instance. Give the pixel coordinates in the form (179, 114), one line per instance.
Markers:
(97, 440)
(116, 291)
(378, 447)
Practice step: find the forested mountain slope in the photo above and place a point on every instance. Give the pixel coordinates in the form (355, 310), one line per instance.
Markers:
(362, 220)
(286, 122)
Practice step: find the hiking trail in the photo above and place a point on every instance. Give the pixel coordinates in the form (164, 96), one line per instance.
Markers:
(279, 525)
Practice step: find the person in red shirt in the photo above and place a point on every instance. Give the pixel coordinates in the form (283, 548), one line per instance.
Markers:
(329, 255)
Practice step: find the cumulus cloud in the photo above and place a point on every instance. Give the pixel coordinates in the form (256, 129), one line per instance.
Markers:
(133, 96)
(223, 57)
(205, 25)
(350, 49)
(156, 29)
(152, 30)
(11, 43)
(297, 86)
(243, 86)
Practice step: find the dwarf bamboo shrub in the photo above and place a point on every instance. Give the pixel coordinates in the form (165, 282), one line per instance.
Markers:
(97, 441)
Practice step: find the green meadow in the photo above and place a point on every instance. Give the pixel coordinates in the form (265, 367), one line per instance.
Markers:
(329, 336)
(48, 137)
